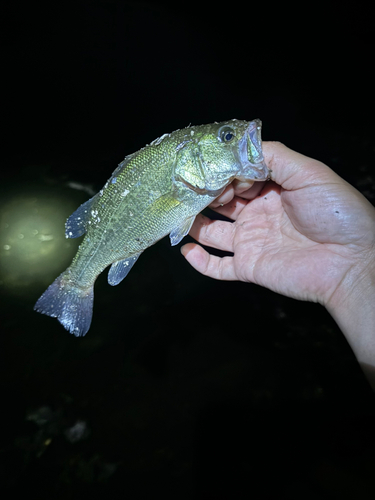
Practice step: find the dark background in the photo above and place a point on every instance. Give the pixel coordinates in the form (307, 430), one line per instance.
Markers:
(184, 387)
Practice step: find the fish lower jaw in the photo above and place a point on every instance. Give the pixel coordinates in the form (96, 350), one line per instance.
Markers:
(250, 154)
(253, 172)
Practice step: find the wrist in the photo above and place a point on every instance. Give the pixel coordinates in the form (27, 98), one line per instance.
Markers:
(352, 306)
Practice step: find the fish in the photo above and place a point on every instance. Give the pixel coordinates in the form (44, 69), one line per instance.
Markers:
(156, 191)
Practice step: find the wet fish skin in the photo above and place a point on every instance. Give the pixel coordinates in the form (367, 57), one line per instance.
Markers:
(154, 192)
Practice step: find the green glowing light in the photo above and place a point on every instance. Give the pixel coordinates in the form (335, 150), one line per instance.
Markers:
(33, 247)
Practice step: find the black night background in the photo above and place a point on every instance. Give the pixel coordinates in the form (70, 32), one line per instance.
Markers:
(184, 387)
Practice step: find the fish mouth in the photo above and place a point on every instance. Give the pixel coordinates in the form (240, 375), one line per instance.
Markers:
(251, 154)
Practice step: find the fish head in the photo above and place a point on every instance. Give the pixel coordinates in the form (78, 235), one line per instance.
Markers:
(232, 150)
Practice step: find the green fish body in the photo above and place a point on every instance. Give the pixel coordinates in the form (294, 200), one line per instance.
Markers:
(156, 191)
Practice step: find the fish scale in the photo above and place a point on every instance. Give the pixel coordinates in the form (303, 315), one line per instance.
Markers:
(154, 192)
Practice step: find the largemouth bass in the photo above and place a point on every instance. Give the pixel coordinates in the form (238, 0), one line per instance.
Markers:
(156, 191)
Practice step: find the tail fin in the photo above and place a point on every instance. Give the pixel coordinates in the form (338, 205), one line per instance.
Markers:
(70, 304)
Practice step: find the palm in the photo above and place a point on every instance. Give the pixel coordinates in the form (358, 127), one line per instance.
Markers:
(300, 242)
(290, 243)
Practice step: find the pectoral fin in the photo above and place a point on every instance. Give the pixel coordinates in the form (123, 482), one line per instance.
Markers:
(181, 231)
(120, 269)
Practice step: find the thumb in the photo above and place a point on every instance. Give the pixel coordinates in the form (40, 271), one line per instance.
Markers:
(293, 170)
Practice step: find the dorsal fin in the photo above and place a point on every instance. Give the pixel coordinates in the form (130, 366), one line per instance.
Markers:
(76, 224)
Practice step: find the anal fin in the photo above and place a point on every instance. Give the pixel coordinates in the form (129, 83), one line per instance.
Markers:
(120, 269)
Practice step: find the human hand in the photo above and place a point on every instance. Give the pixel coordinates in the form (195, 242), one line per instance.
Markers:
(307, 234)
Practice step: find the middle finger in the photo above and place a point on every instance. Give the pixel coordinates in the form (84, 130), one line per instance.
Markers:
(213, 233)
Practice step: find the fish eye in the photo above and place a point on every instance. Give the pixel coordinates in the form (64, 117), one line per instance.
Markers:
(227, 134)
